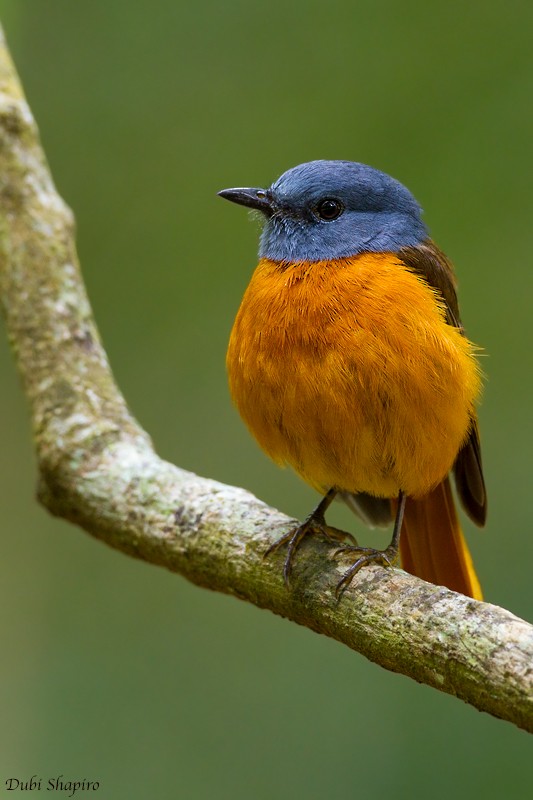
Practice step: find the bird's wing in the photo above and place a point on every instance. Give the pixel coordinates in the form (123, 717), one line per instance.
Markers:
(430, 263)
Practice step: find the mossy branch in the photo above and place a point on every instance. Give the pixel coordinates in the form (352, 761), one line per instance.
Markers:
(97, 468)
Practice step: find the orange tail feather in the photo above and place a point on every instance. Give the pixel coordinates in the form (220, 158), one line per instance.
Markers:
(432, 545)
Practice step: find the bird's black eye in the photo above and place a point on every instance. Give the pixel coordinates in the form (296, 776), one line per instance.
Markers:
(329, 209)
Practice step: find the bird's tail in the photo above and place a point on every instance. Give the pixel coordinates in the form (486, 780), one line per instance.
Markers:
(432, 545)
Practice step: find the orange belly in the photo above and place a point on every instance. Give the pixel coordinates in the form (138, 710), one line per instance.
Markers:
(348, 372)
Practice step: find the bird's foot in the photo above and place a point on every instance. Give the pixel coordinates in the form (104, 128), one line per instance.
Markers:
(315, 524)
(365, 555)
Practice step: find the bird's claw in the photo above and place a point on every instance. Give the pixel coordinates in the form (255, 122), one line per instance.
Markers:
(313, 525)
(367, 555)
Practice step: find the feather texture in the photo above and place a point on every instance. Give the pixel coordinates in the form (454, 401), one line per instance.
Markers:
(347, 371)
(352, 372)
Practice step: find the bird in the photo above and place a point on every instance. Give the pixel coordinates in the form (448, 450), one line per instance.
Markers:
(349, 363)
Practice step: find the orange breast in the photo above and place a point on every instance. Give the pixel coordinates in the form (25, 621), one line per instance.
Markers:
(348, 372)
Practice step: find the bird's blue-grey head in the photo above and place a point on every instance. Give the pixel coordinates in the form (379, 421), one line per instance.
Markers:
(333, 209)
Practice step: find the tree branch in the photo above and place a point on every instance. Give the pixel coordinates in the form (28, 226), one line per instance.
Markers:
(97, 468)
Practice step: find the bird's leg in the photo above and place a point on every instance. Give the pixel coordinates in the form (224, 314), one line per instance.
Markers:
(367, 555)
(315, 523)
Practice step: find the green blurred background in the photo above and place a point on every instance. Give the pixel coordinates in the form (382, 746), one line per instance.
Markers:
(117, 671)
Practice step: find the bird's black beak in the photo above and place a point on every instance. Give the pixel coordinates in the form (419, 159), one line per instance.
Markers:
(252, 198)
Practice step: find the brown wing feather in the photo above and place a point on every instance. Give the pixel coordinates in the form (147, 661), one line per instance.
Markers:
(468, 472)
(432, 265)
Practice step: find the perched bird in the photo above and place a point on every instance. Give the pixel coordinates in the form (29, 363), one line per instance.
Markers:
(348, 362)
